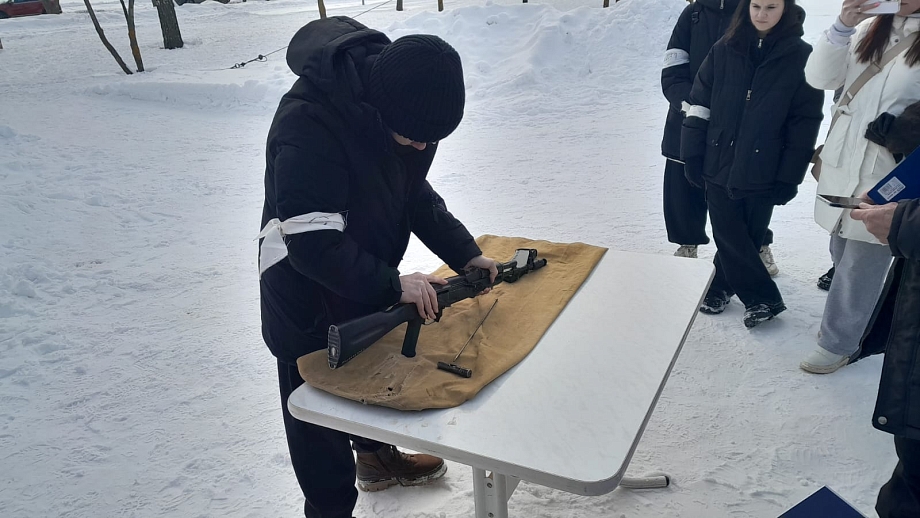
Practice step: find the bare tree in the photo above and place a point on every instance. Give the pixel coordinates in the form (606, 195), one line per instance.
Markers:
(322, 8)
(105, 41)
(51, 7)
(169, 24)
(132, 33)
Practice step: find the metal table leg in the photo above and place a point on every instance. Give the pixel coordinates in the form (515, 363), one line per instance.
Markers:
(491, 493)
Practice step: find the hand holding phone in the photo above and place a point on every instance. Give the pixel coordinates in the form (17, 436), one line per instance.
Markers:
(842, 202)
(878, 219)
(853, 12)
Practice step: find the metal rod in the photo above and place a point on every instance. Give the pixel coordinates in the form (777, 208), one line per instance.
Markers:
(476, 330)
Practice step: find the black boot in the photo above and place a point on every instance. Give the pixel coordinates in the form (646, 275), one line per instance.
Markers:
(824, 282)
(715, 302)
(760, 313)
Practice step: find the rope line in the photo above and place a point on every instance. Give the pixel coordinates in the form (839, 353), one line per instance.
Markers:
(261, 58)
(372, 8)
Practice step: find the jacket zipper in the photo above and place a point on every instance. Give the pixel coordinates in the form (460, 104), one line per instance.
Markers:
(759, 46)
(731, 144)
(722, 5)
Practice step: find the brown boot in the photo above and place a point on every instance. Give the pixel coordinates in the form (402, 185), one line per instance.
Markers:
(388, 466)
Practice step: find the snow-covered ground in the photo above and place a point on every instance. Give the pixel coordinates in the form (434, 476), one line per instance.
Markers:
(133, 379)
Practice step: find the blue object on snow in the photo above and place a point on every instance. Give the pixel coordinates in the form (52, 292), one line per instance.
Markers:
(823, 503)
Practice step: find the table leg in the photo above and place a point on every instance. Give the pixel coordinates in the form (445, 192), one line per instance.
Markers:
(491, 493)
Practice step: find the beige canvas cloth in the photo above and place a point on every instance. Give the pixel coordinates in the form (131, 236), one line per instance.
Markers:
(381, 375)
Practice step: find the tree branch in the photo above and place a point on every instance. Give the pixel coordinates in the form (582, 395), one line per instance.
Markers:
(132, 34)
(105, 41)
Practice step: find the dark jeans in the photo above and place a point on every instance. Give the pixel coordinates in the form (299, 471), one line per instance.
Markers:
(685, 209)
(900, 496)
(322, 458)
(739, 227)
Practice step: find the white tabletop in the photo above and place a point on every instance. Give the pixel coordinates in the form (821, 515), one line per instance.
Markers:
(571, 414)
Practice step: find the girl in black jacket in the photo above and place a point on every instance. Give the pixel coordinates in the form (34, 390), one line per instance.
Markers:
(748, 138)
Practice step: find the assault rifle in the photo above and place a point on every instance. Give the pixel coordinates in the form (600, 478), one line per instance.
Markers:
(349, 339)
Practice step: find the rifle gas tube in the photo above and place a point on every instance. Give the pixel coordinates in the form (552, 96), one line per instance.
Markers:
(348, 339)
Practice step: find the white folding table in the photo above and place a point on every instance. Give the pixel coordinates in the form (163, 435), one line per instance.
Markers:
(571, 414)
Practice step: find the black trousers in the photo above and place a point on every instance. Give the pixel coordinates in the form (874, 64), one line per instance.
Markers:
(685, 209)
(900, 496)
(322, 458)
(739, 227)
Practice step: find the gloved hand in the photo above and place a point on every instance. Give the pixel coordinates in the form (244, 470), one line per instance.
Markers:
(904, 135)
(693, 170)
(784, 192)
(879, 128)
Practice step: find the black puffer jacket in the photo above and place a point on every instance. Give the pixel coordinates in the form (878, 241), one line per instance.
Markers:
(763, 118)
(896, 329)
(328, 152)
(895, 325)
(699, 26)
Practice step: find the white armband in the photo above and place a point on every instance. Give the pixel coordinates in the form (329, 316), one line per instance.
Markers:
(674, 57)
(273, 248)
(701, 112)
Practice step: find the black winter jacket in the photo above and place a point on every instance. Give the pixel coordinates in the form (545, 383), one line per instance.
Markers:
(699, 26)
(328, 152)
(763, 118)
(896, 329)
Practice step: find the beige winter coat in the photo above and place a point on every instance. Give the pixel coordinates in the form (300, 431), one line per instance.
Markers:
(851, 165)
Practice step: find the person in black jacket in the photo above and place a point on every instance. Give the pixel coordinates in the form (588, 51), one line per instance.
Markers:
(895, 326)
(748, 137)
(699, 26)
(897, 331)
(345, 183)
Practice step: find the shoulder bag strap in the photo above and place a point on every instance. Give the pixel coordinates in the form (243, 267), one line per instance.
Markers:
(870, 72)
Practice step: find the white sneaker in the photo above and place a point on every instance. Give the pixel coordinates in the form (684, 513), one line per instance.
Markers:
(822, 361)
(686, 251)
(766, 256)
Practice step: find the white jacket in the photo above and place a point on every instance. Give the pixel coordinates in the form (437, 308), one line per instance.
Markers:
(851, 165)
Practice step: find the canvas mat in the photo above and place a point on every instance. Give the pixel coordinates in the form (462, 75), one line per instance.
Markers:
(381, 375)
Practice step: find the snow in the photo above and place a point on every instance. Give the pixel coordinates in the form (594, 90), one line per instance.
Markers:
(133, 378)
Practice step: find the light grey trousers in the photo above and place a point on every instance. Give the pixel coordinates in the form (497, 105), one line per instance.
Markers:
(860, 274)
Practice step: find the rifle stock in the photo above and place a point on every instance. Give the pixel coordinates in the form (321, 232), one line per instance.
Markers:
(347, 340)
(365, 330)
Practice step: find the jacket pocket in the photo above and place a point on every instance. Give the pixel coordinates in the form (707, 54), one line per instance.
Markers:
(832, 153)
(713, 152)
(764, 160)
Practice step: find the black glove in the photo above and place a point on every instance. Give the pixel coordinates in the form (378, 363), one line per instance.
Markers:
(784, 192)
(904, 134)
(878, 129)
(693, 170)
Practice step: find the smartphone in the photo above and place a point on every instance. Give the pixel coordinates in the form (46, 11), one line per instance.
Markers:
(885, 7)
(843, 202)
